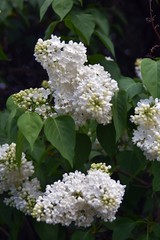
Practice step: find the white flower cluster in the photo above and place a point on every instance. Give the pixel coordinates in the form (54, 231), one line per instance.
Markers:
(14, 180)
(84, 92)
(34, 100)
(24, 197)
(79, 198)
(10, 173)
(147, 135)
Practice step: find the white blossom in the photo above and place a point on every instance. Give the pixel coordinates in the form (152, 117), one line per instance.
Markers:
(63, 202)
(23, 198)
(79, 198)
(147, 119)
(84, 92)
(10, 173)
(35, 100)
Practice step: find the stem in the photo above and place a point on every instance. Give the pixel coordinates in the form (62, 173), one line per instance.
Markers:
(144, 183)
(151, 19)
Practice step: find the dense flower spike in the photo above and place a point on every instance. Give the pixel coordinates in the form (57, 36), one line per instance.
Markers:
(103, 194)
(147, 119)
(34, 100)
(10, 173)
(84, 92)
(63, 202)
(79, 198)
(24, 197)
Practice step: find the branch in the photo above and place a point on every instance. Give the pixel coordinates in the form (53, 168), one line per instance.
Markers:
(144, 183)
(151, 19)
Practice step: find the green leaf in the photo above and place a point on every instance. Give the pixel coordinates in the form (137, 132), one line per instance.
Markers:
(50, 29)
(101, 20)
(82, 235)
(150, 70)
(10, 104)
(46, 231)
(30, 124)
(62, 7)
(107, 137)
(109, 66)
(155, 172)
(129, 162)
(82, 149)
(130, 86)
(119, 110)
(19, 148)
(81, 24)
(60, 132)
(44, 8)
(123, 229)
(106, 41)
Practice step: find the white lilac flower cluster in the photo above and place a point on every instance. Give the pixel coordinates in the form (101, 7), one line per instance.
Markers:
(10, 173)
(14, 179)
(147, 134)
(24, 197)
(79, 198)
(84, 92)
(34, 100)
(138, 67)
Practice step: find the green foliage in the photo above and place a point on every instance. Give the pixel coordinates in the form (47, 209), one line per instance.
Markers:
(60, 132)
(123, 229)
(46, 231)
(62, 7)
(44, 7)
(30, 125)
(82, 24)
(151, 76)
(106, 41)
(120, 112)
(19, 148)
(82, 150)
(82, 235)
(107, 137)
(130, 86)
